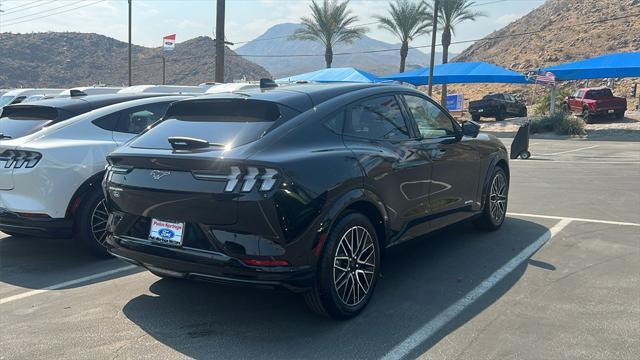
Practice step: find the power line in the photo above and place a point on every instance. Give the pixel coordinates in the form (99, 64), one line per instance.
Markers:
(24, 7)
(55, 13)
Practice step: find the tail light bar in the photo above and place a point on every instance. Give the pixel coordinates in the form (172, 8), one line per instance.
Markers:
(249, 178)
(20, 158)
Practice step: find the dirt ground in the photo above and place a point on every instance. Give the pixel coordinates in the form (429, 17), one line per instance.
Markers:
(627, 129)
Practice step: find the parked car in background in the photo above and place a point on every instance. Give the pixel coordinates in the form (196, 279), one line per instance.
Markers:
(16, 96)
(499, 105)
(302, 187)
(23, 119)
(592, 102)
(231, 87)
(90, 90)
(50, 180)
(33, 98)
(165, 89)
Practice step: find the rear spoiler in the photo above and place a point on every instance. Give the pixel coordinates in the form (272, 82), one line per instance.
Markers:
(36, 111)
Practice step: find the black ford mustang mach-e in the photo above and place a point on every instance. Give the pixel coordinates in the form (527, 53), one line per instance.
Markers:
(301, 186)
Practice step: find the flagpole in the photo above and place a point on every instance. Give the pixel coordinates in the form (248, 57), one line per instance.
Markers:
(164, 67)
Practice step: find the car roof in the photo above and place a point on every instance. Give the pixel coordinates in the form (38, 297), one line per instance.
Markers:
(297, 96)
(31, 91)
(85, 103)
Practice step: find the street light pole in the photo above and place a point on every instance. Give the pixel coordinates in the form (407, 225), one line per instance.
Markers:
(130, 83)
(219, 75)
(434, 29)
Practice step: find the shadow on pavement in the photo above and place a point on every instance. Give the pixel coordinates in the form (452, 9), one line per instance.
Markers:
(35, 263)
(420, 280)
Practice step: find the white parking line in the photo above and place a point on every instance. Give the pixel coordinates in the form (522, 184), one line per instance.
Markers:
(429, 329)
(65, 284)
(570, 151)
(574, 219)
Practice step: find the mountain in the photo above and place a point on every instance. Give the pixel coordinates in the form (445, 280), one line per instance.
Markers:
(275, 41)
(562, 34)
(68, 59)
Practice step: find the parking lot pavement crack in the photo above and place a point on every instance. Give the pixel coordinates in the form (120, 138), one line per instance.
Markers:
(128, 343)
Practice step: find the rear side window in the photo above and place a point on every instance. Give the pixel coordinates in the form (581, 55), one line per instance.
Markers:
(377, 118)
(231, 122)
(135, 120)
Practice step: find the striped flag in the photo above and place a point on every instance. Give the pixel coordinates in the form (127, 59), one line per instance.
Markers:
(169, 42)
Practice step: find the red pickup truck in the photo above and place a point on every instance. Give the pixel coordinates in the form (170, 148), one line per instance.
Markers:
(591, 102)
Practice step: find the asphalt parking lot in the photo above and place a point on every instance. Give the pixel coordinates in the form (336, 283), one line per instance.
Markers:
(560, 280)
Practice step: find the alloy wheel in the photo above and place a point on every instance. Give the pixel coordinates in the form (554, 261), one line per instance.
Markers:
(498, 198)
(99, 218)
(354, 265)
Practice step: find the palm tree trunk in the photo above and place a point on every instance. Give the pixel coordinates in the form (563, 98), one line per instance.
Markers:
(404, 51)
(328, 55)
(446, 42)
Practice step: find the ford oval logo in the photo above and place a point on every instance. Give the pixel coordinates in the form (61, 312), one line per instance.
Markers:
(166, 234)
(158, 174)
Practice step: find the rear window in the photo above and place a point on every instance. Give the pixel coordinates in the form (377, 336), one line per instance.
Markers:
(230, 122)
(601, 93)
(20, 121)
(494, 97)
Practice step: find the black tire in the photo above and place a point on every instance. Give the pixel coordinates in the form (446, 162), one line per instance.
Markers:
(475, 118)
(92, 206)
(523, 112)
(525, 155)
(488, 220)
(500, 115)
(331, 295)
(565, 108)
(586, 117)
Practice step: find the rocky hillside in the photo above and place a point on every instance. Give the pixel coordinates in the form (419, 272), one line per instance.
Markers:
(564, 34)
(275, 41)
(71, 59)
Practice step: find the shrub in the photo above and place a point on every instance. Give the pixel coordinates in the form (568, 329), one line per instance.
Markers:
(560, 123)
(542, 107)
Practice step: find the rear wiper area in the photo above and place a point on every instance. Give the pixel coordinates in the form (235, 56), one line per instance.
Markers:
(3, 136)
(189, 143)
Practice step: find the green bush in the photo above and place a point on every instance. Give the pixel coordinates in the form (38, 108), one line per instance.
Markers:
(560, 123)
(542, 107)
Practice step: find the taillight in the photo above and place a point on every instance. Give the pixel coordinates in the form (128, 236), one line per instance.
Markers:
(253, 175)
(20, 158)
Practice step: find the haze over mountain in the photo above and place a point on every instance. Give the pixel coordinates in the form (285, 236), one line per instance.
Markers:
(275, 42)
(72, 59)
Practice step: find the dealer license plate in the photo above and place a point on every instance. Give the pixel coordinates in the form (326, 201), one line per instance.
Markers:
(166, 232)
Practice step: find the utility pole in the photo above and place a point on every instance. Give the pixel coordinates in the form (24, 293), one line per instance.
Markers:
(219, 76)
(164, 67)
(434, 30)
(130, 83)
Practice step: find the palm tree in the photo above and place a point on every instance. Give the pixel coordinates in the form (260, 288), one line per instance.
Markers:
(407, 20)
(330, 23)
(450, 14)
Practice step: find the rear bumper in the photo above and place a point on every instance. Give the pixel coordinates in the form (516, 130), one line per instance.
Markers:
(207, 265)
(48, 227)
(482, 112)
(613, 110)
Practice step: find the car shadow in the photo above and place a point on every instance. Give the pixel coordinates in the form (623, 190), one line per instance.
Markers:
(36, 263)
(420, 279)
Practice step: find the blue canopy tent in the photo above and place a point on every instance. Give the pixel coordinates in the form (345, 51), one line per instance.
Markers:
(462, 72)
(347, 74)
(605, 66)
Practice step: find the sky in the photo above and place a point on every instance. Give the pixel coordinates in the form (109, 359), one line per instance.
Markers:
(245, 19)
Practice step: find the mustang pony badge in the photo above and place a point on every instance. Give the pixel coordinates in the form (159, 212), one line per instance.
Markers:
(158, 174)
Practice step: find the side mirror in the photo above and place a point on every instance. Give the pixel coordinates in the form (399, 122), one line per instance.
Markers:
(470, 128)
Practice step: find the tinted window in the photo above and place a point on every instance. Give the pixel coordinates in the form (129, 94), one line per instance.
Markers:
(335, 122)
(108, 122)
(19, 121)
(431, 121)
(230, 122)
(596, 94)
(135, 120)
(378, 118)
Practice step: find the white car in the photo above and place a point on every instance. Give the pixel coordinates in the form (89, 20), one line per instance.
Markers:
(231, 87)
(50, 181)
(18, 95)
(90, 90)
(165, 89)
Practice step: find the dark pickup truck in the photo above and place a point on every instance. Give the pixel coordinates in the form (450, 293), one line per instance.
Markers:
(591, 102)
(498, 105)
